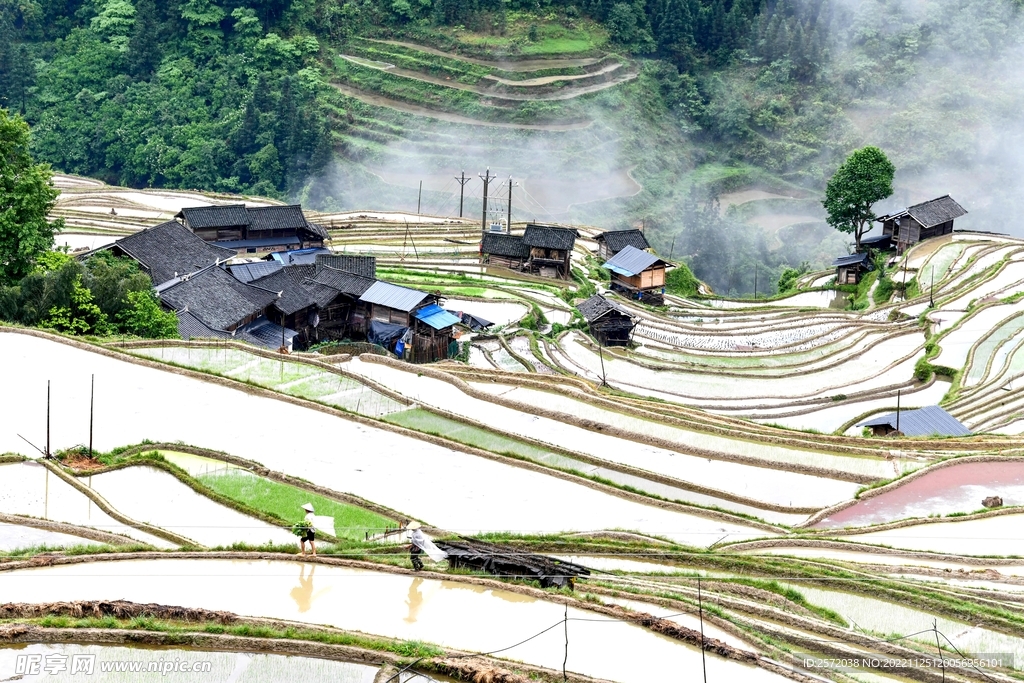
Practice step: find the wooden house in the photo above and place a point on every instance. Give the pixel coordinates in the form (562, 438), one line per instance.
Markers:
(341, 315)
(414, 317)
(500, 249)
(610, 324)
(253, 230)
(611, 242)
(849, 269)
(921, 221)
(550, 249)
(638, 274)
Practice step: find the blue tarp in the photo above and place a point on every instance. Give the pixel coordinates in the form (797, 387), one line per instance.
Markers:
(382, 333)
(436, 317)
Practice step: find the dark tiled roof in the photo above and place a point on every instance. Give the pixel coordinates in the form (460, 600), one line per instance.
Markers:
(300, 273)
(343, 281)
(191, 327)
(276, 218)
(226, 216)
(500, 244)
(359, 265)
(617, 240)
(596, 307)
(876, 241)
(294, 297)
(262, 332)
(393, 296)
(927, 421)
(248, 272)
(851, 260)
(936, 211)
(631, 261)
(550, 237)
(169, 249)
(216, 298)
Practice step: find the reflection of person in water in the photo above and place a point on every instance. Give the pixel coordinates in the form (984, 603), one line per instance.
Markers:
(303, 593)
(415, 600)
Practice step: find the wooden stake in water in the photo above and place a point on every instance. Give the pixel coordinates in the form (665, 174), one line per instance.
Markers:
(47, 419)
(700, 613)
(92, 396)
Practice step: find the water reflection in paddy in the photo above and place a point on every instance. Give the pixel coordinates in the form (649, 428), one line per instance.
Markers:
(28, 488)
(463, 616)
(958, 488)
(17, 536)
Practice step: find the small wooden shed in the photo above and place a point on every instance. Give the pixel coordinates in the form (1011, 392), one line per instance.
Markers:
(610, 324)
(550, 249)
(639, 275)
(500, 249)
(849, 269)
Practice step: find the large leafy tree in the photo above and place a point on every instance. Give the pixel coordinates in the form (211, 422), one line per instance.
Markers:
(864, 179)
(26, 197)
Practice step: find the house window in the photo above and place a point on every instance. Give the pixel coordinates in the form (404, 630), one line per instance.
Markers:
(250, 250)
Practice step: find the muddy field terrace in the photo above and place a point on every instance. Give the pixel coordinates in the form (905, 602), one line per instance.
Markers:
(714, 475)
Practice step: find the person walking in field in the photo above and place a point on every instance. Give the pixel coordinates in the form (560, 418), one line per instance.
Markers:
(419, 545)
(305, 530)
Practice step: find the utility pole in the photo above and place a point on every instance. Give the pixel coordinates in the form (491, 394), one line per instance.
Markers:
(897, 410)
(508, 226)
(419, 198)
(487, 178)
(755, 280)
(48, 419)
(700, 613)
(931, 293)
(600, 352)
(462, 190)
(92, 397)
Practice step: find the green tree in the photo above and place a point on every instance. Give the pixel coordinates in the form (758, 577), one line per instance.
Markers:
(143, 317)
(863, 179)
(26, 197)
(143, 48)
(82, 316)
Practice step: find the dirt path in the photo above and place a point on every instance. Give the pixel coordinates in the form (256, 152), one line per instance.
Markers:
(566, 94)
(544, 80)
(511, 65)
(381, 101)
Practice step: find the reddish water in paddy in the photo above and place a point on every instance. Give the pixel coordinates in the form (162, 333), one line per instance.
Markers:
(959, 488)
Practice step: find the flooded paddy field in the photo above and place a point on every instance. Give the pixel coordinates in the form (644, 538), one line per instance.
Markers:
(958, 488)
(395, 605)
(997, 536)
(405, 473)
(16, 536)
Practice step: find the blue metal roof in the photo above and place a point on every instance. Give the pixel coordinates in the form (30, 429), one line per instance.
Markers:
(393, 296)
(631, 261)
(436, 317)
(927, 421)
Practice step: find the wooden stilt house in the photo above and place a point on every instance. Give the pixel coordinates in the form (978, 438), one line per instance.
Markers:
(610, 324)
(639, 275)
(921, 221)
(611, 242)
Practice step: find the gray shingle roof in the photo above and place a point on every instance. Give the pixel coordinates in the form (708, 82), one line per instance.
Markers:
(294, 297)
(617, 240)
(596, 307)
(365, 266)
(344, 281)
(927, 421)
(550, 237)
(936, 211)
(248, 272)
(170, 248)
(276, 218)
(631, 261)
(851, 260)
(393, 296)
(216, 298)
(191, 327)
(224, 216)
(500, 244)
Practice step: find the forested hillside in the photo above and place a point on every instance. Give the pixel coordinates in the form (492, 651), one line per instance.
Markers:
(669, 112)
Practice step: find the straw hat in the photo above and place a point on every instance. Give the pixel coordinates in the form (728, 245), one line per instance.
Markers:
(413, 525)
(308, 507)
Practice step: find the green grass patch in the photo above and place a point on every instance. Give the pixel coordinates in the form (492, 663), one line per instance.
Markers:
(285, 501)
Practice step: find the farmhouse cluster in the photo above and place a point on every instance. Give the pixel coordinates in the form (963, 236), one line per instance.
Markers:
(302, 293)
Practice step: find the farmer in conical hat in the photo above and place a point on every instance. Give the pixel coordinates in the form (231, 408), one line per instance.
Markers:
(305, 530)
(420, 544)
